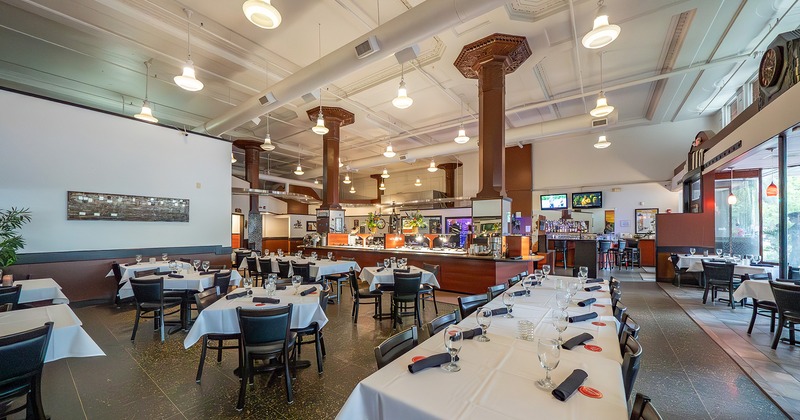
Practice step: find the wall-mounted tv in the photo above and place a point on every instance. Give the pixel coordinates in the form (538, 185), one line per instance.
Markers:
(554, 202)
(587, 200)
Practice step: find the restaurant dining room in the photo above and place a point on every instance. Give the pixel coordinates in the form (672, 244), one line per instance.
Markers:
(399, 209)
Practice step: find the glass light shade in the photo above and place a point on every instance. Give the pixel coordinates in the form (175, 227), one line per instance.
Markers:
(402, 100)
(262, 14)
(233, 158)
(382, 187)
(340, 162)
(772, 190)
(603, 108)
(732, 199)
(602, 143)
(299, 170)
(385, 174)
(462, 136)
(146, 114)
(432, 167)
(352, 189)
(347, 179)
(316, 181)
(320, 127)
(267, 146)
(417, 183)
(389, 153)
(602, 32)
(187, 80)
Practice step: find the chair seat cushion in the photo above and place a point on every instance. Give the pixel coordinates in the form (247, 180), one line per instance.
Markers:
(153, 305)
(366, 293)
(269, 348)
(405, 298)
(765, 304)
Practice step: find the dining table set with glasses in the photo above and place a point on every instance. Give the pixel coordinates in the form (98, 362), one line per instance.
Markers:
(319, 266)
(744, 264)
(383, 273)
(549, 343)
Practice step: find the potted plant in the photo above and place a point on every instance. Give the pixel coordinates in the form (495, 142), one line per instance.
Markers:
(10, 240)
(415, 221)
(372, 222)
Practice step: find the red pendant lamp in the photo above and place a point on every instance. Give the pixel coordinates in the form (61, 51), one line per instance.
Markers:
(772, 189)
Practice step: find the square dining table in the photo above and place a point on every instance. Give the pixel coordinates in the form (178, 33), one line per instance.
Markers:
(376, 276)
(37, 290)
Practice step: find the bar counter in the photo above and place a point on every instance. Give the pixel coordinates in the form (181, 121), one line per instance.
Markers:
(458, 272)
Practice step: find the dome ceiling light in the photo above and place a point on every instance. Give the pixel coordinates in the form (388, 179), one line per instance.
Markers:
(602, 32)
(187, 80)
(262, 13)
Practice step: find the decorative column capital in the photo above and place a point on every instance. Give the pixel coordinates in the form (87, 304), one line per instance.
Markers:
(512, 50)
(336, 115)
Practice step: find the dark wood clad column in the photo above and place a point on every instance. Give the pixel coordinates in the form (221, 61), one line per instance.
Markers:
(378, 179)
(252, 152)
(449, 179)
(489, 60)
(335, 118)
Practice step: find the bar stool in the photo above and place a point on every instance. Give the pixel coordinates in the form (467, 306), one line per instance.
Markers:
(560, 246)
(604, 254)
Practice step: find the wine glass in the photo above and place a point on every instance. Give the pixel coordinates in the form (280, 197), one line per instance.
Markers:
(453, 338)
(164, 257)
(508, 300)
(692, 251)
(314, 255)
(484, 317)
(719, 252)
(757, 258)
(173, 266)
(330, 255)
(138, 258)
(280, 252)
(296, 280)
(546, 270)
(205, 265)
(527, 282)
(387, 263)
(562, 299)
(549, 352)
(573, 287)
(560, 320)
(195, 264)
(248, 283)
(539, 275)
(584, 271)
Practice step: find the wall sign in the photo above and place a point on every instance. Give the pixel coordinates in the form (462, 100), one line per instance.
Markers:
(133, 208)
(646, 221)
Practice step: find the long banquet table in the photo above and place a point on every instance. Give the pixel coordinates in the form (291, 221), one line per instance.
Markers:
(316, 270)
(497, 379)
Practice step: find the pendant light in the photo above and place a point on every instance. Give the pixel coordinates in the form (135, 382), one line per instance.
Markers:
(417, 183)
(299, 169)
(347, 179)
(772, 189)
(402, 101)
(602, 108)
(268, 146)
(389, 153)
(382, 187)
(146, 114)
(602, 32)
(385, 174)
(233, 158)
(316, 181)
(262, 14)
(432, 167)
(352, 189)
(320, 127)
(461, 138)
(602, 143)
(340, 162)
(187, 80)
(731, 198)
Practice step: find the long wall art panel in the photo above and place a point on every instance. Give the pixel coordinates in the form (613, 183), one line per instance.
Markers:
(137, 208)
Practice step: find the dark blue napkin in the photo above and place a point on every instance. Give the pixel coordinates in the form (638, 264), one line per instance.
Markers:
(311, 263)
(279, 287)
(130, 264)
(592, 289)
(760, 264)
(230, 296)
(308, 291)
(584, 317)
(402, 270)
(570, 385)
(577, 340)
(594, 281)
(587, 302)
(499, 311)
(435, 360)
(380, 269)
(518, 293)
(263, 299)
(175, 276)
(470, 334)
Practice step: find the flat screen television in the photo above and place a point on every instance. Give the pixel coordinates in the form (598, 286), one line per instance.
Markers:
(554, 202)
(587, 200)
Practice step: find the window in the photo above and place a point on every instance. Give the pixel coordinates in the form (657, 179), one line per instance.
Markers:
(738, 230)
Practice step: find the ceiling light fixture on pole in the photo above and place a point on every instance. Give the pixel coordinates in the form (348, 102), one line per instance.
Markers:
(268, 146)
(385, 174)
(262, 14)
(602, 32)
(731, 198)
(602, 143)
(772, 189)
(602, 108)
(320, 127)
(402, 101)
(340, 162)
(418, 183)
(316, 181)
(146, 114)
(352, 189)
(382, 187)
(187, 80)
(347, 179)
(432, 167)
(299, 170)
(389, 153)
(233, 158)
(461, 138)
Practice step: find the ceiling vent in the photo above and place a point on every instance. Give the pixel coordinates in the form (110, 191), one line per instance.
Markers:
(310, 97)
(407, 54)
(267, 99)
(406, 159)
(600, 122)
(367, 47)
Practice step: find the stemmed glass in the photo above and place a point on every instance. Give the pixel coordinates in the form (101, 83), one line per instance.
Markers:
(173, 266)
(330, 255)
(484, 317)
(756, 258)
(453, 338)
(562, 299)
(583, 271)
(549, 352)
(164, 257)
(560, 320)
(296, 280)
(692, 251)
(248, 283)
(538, 274)
(527, 282)
(280, 252)
(719, 252)
(271, 285)
(138, 258)
(205, 265)
(508, 300)
(573, 287)
(546, 270)
(195, 264)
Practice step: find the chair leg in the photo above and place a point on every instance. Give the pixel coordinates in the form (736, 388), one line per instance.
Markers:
(772, 321)
(136, 324)
(318, 348)
(202, 359)
(753, 318)
(244, 373)
(219, 351)
(705, 294)
(791, 333)
(287, 379)
(322, 344)
(161, 324)
(777, 337)
(730, 297)
(433, 296)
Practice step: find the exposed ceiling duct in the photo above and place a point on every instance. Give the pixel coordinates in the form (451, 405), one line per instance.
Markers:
(427, 19)
(280, 180)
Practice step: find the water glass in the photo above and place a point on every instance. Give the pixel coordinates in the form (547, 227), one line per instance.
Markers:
(173, 266)
(205, 265)
(280, 252)
(573, 287)
(484, 317)
(196, 264)
(330, 255)
(539, 276)
(756, 258)
(138, 258)
(164, 257)
(692, 251)
(561, 283)
(549, 352)
(546, 270)
(508, 300)
(560, 320)
(380, 264)
(719, 252)
(584, 271)
(387, 263)
(453, 338)
(527, 283)
(562, 299)
(248, 283)
(296, 280)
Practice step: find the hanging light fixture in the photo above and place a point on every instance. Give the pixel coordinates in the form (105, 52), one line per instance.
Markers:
(382, 187)
(320, 127)
(347, 179)
(316, 181)
(417, 183)
(602, 143)
(461, 138)
(268, 146)
(187, 80)
(233, 158)
(389, 153)
(602, 32)
(402, 100)
(432, 167)
(385, 174)
(262, 14)
(299, 169)
(772, 189)
(146, 114)
(731, 198)
(340, 162)
(352, 189)
(602, 108)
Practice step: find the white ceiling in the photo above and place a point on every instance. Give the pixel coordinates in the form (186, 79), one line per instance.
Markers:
(91, 52)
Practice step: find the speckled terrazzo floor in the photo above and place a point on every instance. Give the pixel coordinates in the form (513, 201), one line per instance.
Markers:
(683, 370)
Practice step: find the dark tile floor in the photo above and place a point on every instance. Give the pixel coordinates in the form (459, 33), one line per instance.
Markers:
(685, 372)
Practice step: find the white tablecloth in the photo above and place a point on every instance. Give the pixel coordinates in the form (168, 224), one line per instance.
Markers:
(756, 289)
(130, 270)
(191, 280)
(220, 317)
(68, 338)
(497, 379)
(374, 277)
(35, 290)
(317, 271)
(694, 264)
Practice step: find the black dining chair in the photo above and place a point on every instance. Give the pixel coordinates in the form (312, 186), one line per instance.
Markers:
(680, 273)
(222, 281)
(643, 408)
(514, 280)
(395, 346)
(303, 270)
(203, 300)
(621, 314)
(469, 304)
(631, 360)
(283, 269)
(719, 276)
(406, 293)
(22, 357)
(265, 335)
(149, 298)
(338, 280)
(6, 307)
(441, 322)
(496, 290)
(794, 273)
(313, 333)
(252, 269)
(629, 328)
(240, 256)
(428, 291)
(761, 307)
(363, 297)
(117, 270)
(787, 299)
(10, 294)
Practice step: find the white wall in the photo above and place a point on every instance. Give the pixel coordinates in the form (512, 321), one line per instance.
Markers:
(50, 148)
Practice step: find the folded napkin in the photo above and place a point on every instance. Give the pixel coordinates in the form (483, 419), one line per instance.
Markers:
(308, 291)
(594, 281)
(499, 311)
(576, 341)
(230, 296)
(435, 360)
(279, 287)
(584, 317)
(470, 334)
(760, 264)
(311, 263)
(402, 270)
(587, 302)
(210, 271)
(592, 289)
(570, 385)
(380, 269)
(518, 293)
(263, 299)
(175, 276)
(130, 264)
